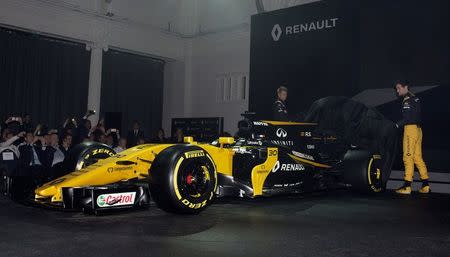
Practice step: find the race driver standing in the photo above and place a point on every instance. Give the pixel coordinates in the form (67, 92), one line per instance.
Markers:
(279, 109)
(412, 139)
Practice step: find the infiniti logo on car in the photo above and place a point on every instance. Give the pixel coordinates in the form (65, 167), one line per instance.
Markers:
(281, 133)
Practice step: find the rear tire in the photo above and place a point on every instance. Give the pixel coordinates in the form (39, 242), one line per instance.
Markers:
(363, 171)
(183, 179)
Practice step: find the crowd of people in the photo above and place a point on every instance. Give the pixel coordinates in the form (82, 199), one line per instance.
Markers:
(40, 150)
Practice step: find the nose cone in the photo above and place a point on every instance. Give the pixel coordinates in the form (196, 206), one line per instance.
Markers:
(46, 191)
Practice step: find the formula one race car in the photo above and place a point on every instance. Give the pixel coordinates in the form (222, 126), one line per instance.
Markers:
(265, 159)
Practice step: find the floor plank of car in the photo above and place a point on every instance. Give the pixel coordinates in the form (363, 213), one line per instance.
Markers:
(335, 223)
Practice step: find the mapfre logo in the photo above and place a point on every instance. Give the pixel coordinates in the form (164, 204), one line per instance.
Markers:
(281, 133)
(276, 32)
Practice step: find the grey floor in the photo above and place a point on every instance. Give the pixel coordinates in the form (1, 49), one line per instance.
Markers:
(333, 224)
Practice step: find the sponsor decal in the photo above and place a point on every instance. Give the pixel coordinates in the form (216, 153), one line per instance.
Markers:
(292, 167)
(106, 151)
(287, 167)
(260, 123)
(241, 150)
(288, 185)
(310, 147)
(254, 142)
(116, 199)
(194, 205)
(282, 142)
(276, 167)
(281, 133)
(289, 30)
(305, 134)
(302, 155)
(125, 168)
(194, 154)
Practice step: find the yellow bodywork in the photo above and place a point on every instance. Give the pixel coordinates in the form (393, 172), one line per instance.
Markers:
(135, 163)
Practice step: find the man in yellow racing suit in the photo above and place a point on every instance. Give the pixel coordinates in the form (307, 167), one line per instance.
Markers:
(412, 140)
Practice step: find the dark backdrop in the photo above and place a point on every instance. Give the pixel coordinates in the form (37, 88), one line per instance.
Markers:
(373, 44)
(133, 85)
(43, 76)
(307, 63)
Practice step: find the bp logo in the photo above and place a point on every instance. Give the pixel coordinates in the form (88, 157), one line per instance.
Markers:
(276, 32)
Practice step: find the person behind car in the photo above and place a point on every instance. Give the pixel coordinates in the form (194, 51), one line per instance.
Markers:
(412, 139)
(178, 138)
(66, 144)
(9, 139)
(279, 109)
(134, 134)
(160, 137)
(26, 122)
(122, 145)
(30, 164)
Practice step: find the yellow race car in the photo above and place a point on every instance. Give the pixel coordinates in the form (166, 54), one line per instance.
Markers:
(266, 158)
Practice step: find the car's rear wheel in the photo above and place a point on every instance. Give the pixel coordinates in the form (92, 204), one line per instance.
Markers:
(183, 179)
(363, 171)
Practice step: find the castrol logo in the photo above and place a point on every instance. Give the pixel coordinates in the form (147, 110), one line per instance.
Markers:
(117, 199)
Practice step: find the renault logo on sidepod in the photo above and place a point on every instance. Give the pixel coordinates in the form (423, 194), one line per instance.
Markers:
(276, 32)
(281, 133)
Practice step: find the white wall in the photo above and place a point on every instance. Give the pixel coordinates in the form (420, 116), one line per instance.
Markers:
(85, 24)
(207, 38)
(213, 55)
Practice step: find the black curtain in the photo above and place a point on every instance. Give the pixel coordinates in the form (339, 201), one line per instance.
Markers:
(133, 85)
(45, 77)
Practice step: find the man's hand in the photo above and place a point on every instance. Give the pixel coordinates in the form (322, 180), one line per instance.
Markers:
(21, 134)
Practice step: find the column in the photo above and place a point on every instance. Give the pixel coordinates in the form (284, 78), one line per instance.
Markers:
(95, 82)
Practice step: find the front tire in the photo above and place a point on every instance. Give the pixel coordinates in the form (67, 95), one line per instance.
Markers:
(364, 172)
(183, 179)
(83, 155)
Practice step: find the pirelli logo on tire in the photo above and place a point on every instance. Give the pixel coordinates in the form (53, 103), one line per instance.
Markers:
(194, 154)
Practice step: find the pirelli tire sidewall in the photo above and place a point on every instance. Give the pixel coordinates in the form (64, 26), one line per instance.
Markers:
(166, 181)
(84, 154)
(360, 169)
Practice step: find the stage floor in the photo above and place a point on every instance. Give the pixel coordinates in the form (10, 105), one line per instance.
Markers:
(335, 223)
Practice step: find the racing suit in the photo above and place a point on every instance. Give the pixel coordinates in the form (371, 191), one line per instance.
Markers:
(412, 138)
(280, 111)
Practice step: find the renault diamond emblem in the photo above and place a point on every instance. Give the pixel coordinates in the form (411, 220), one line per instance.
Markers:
(276, 32)
(281, 133)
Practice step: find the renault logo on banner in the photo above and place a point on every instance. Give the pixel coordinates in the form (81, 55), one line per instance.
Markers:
(276, 32)
(289, 30)
(281, 133)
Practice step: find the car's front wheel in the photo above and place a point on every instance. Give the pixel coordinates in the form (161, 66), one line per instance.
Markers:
(183, 179)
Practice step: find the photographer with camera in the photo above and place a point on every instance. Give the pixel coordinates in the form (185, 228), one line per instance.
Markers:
(112, 137)
(83, 131)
